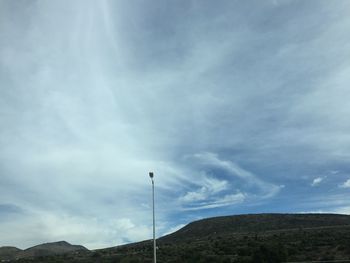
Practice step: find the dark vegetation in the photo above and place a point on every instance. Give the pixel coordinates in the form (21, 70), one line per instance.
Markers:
(244, 238)
(39, 251)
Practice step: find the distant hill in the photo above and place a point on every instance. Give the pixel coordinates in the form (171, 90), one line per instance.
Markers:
(54, 248)
(47, 249)
(7, 253)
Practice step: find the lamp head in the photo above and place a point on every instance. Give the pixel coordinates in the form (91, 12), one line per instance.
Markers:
(151, 175)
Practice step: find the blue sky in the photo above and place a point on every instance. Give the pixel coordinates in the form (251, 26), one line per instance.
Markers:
(237, 107)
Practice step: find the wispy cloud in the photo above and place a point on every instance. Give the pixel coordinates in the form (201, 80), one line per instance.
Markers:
(346, 184)
(226, 200)
(212, 194)
(238, 185)
(317, 181)
(210, 186)
(265, 189)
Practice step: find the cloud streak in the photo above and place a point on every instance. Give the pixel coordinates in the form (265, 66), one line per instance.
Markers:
(250, 180)
(316, 181)
(346, 184)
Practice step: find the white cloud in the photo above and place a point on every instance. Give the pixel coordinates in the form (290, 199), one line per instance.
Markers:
(226, 200)
(345, 210)
(212, 193)
(267, 190)
(317, 181)
(210, 186)
(342, 210)
(346, 184)
(198, 195)
(93, 232)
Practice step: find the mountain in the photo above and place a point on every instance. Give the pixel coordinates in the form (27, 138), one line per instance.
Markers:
(61, 247)
(254, 238)
(7, 253)
(255, 223)
(43, 250)
(251, 238)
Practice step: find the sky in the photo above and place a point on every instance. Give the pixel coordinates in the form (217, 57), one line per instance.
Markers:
(236, 106)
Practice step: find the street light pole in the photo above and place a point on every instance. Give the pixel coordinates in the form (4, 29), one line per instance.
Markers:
(154, 222)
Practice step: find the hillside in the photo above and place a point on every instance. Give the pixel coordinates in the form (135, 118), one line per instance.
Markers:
(43, 250)
(7, 253)
(257, 238)
(247, 238)
(255, 223)
(61, 247)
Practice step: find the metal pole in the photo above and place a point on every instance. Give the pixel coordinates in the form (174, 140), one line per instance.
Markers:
(154, 222)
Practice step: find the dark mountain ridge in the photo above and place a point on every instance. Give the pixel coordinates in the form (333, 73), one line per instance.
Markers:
(246, 223)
